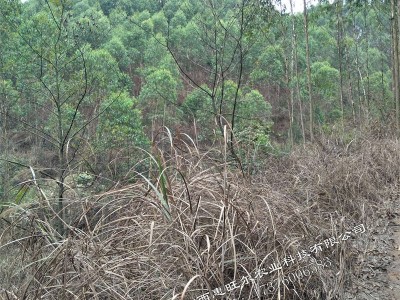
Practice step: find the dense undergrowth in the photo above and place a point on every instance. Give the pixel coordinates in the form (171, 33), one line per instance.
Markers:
(196, 224)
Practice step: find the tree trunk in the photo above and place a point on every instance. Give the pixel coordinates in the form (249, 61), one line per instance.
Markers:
(368, 93)
(395, 55)
(340, 50)
(296, 72)
(308, 72)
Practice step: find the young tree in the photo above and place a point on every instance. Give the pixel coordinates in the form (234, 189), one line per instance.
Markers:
(220, 32)
(62, 81)
(59, 72)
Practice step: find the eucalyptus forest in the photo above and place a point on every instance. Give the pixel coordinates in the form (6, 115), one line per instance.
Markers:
(199, 149)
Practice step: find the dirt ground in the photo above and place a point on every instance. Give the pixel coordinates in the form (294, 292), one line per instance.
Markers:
(394, 268)
(377, 273)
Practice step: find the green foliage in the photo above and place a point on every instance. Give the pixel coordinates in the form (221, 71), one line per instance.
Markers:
(64, 62)
(179, 19)
(226, 97)
(270, 67)
(159, 95)
(322, 44)
(163, 180)
(117, 49)
(104, 75)
(120, 124)
(134, 40)
(93, 27)
(160, 23)
(9, 105)
(84, 179)
(325, 84)
(377, 60)
(156, 55)
(117, 17)
(198, 107)
(170, 8)
(68, 116)
(325, 79)
(189, 35)
(21, 193)
(254, 119)
(252, 113)
(380, 94)
(160, 85)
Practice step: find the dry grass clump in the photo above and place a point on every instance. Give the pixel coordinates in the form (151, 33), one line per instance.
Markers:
(195, 224)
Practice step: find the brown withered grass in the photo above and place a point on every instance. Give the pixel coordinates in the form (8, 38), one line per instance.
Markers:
(197, 224)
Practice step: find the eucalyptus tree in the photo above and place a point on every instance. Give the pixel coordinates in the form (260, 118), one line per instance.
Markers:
(311, 104)
(62, 81)
(395, 16)
(9, 104)
(220, 33)
(56, 68)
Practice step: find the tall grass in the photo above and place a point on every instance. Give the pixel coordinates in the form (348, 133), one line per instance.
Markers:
(194, 223)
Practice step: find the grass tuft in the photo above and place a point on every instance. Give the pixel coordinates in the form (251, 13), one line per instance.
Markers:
(195, 223)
